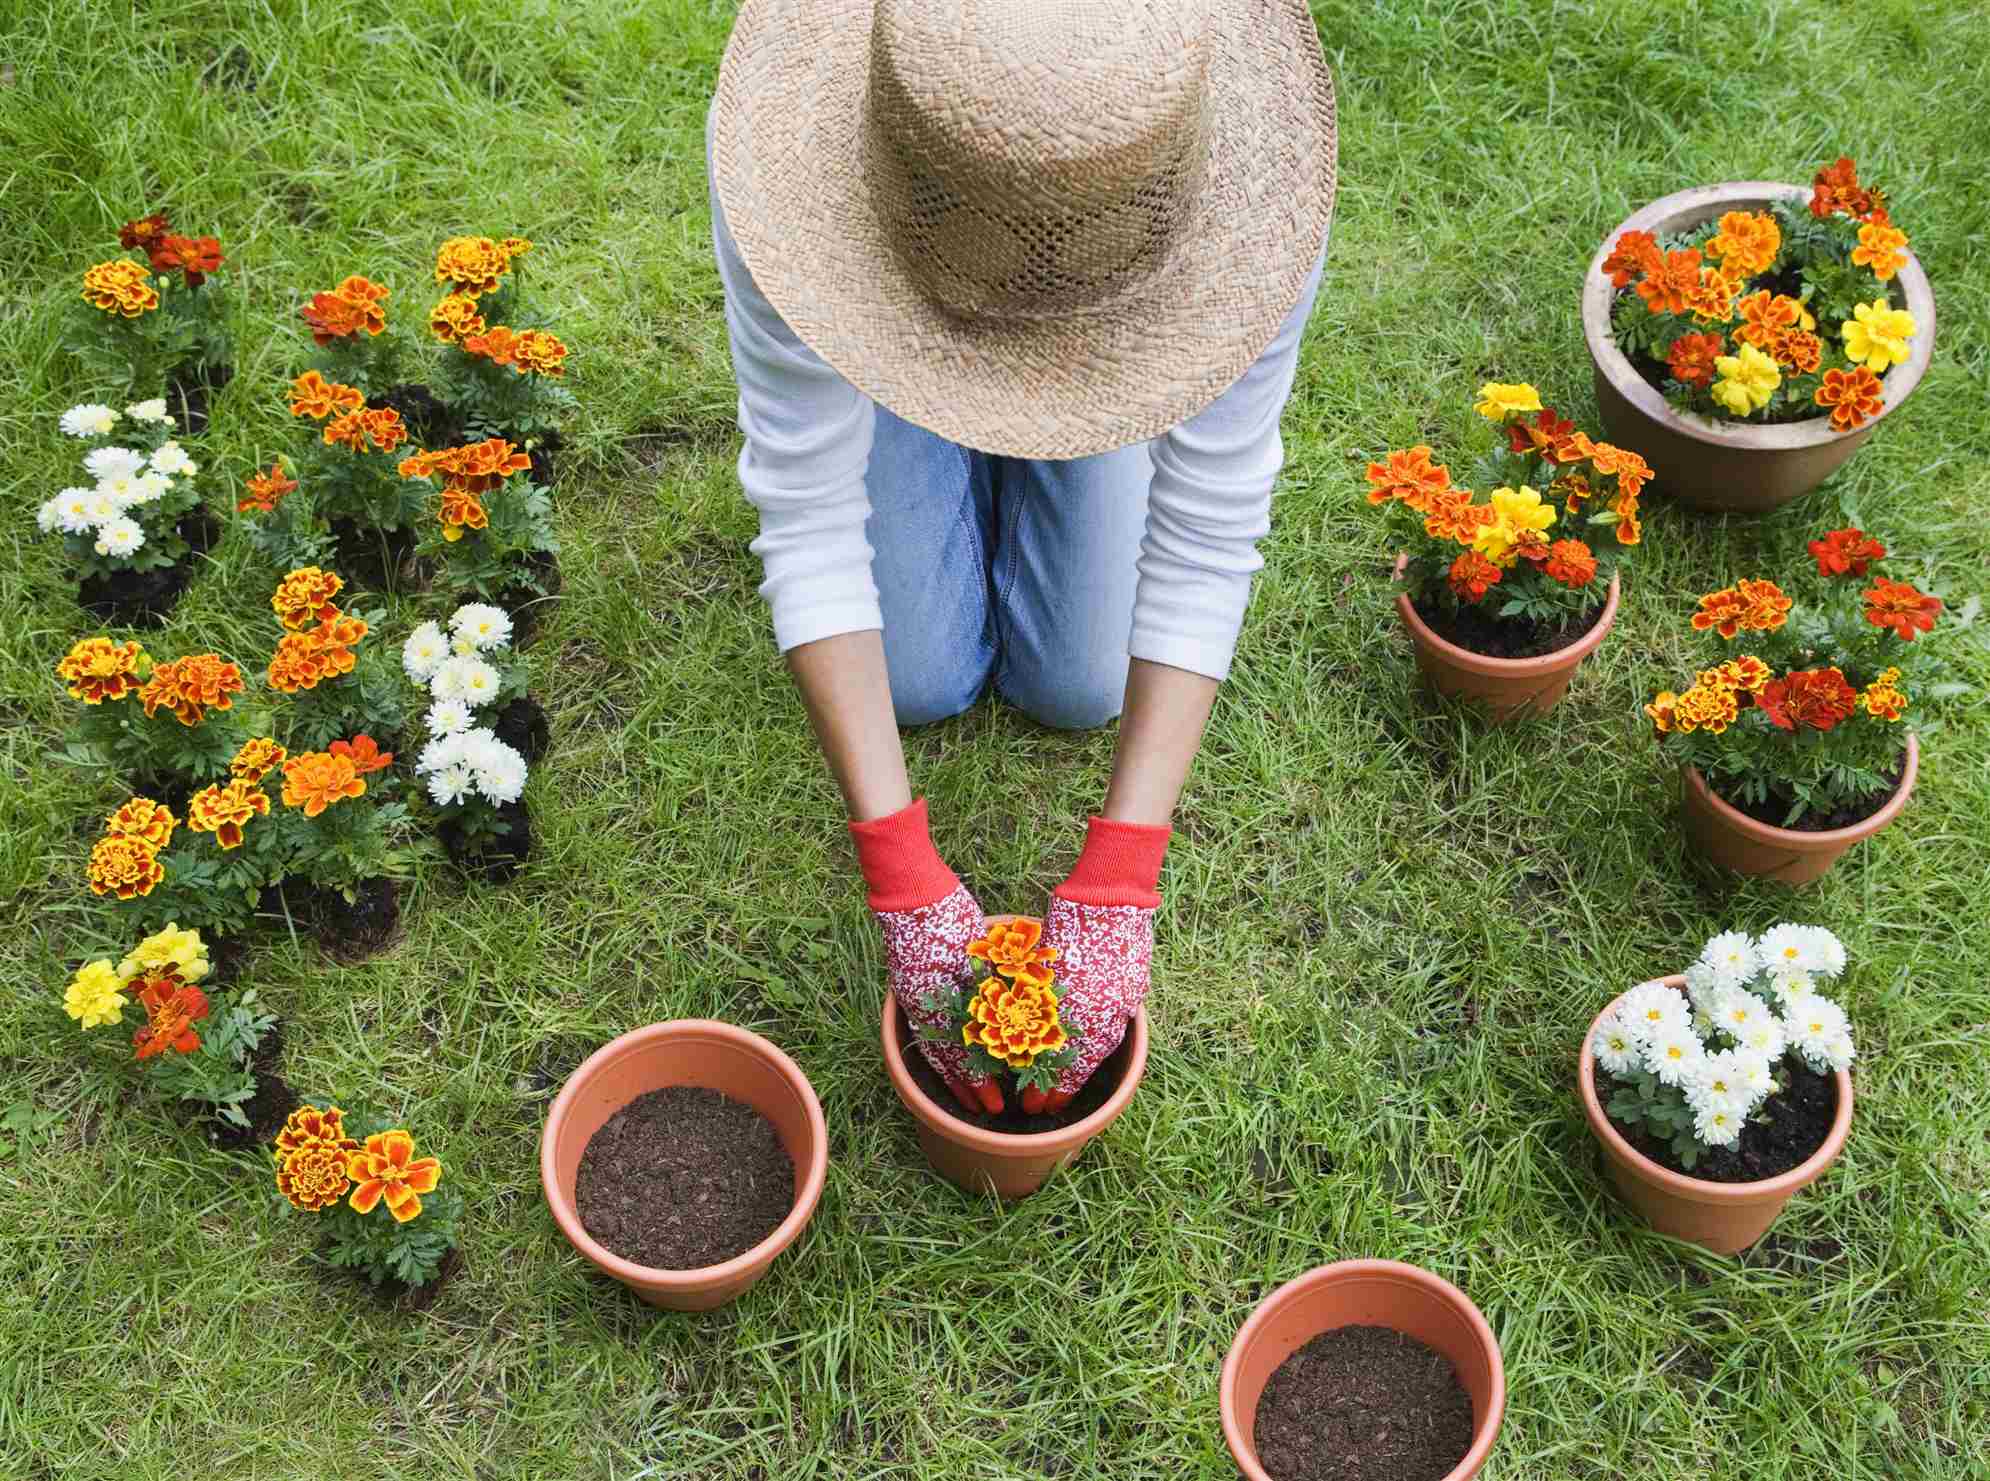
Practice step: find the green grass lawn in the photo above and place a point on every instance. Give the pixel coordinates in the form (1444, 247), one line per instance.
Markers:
(1386, 925)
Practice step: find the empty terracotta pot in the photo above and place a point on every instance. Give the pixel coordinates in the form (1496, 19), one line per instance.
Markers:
(1736, 841)
(1368, 1293)
(1505, 688)
(1012, 1166)
(1723, 1217)
(1735, 467)
(685, 1051)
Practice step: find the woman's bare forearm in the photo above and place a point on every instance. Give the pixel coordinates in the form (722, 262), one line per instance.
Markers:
(848, 694)
(1160, 731)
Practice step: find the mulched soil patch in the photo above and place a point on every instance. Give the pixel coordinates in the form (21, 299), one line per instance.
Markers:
(352, 931)
(1775, 810)
(373, 559)
(1791, 1125)
(428, 418)
(1013, 1121)
(188, 391)
(682, 1178)
(266, 1110)
(1512, 637)
(500, 859)
(146, 598)
(523, 725)
(1363, 1404)
(542, 458)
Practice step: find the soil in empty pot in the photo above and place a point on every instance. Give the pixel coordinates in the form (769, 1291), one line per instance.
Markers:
(682, 1178)
(1785, 1133)
(1505, 637)
(1775, 811)
(1014, 1121)
(1363, 1404)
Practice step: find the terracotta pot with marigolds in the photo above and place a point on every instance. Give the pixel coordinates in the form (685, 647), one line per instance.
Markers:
(1748, 367)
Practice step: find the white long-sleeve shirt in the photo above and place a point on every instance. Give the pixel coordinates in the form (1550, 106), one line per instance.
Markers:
(807, 449)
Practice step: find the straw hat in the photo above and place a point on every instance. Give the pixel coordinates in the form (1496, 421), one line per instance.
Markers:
(1040, 228)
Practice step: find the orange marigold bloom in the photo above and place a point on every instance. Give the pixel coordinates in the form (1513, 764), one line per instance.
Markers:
(472, 264)
(172, 1008)
(1542, 435)
(125, 867)
(1472, 576)
(1712, 301)
(1764, 315)
(308, 1126)
(1664, 712)
(144, 231)
(223, 810)
(1748, 606)
(347, 431)
(1014, 1021)
(482, 466)
(1898, 606)
(455, 318)
(366, 756)
(1666, 287)
(496, 344)
(314, 1177)
(1571, 562)
(1691, 358)
(1455, 517)
(1631, 471)
(1628, 529)
(97, 669)
(311, 395)
(305, 596)
(1747, 242)
(514, 248)
(539, 353)
(304, 660)
(1573, 490)
(1410, 478)
(385, 430)
(1798, 349)
(151, 823)
(194, 256)
(461, 510)
(1879, 248)
(1634, 256)
(1836, 188)
(1855, 397)
(266, 491)
(387, 1171)
(120, 286)
(190, 687)
(1882, 700)
(338, 629)
(1012, 948)
(1701, 708)
(353, 307)
(1814, 699)
(1747, 674)
(257, 759)
(317, 779)
(1846, 552)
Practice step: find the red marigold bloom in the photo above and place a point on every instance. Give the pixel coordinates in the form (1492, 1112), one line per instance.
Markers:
(151, 823)
(1665, 288)
(1836, 188)
(366, 756)
(194, 256)
(1634, 256)
(223, 810)
(144, 231)
(1691, 358)
(1409, 477)
(172, 1008)
(1896, 605)
(1846, 552)
(1542, 435)
(96, 669)
(266, 491)
(1854, 396)
(387, 1170)
(1816, 699)
(332, 316)
(1571, 562)
(1798, 349)
(190, 687)
(1472, 576)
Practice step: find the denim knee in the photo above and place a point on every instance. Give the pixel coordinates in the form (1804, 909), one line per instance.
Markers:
(1084, 698)
(926, 692)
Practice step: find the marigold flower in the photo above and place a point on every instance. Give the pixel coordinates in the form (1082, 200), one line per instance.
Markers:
(1570, 562)
(1798, 349)
(455, 318)
(1879, 248)
(168, 951)
(1846, 552)
(1664, 712)
(1666, 288)
(257, 759)
(1454, 516)
(346, 431)
(366, 756)
(93, 997)
(1765, 315)
(1574, 490)
(1748, 378)
(1409, 478)
(223, 810)
(1012, 948)
(172, 1008)
(1631, 471)
(1747, 241)
(190, 687)
(144, 231)
(96, 669)
(497, 344)
(1854, 396)
(1898, 606)
(1518, 517)
(1814, 699)
(196, 257)
(1748, 606)
(1634, 256)
(304, 660)
(1836, 188)
(472, 264)
(461, 510)
(537, 352)
(514, 248)
(142, 818)
(121, 287)
(1542, 435)
(311, 1155)
(1747, 674)
(315, 780)
(1014, 1021)
(266, 491)
(1711, 301)
(1876, 335)
(1691, 358)
(1472, 576)
(311, 395)
(1498, 401)
(308, 1126)
(125, 867)
(1701, 708)
(353, 307)
(305, 596)
(1881, 700)
(387, 1170)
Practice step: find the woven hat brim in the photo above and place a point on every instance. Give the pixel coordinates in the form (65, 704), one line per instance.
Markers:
(787, 161)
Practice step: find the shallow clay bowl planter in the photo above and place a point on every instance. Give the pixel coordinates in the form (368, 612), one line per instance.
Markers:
(685, 1051)
(1734, 840)
(1505, 688)
(1724, 1217)
(1732, 467)
(1369, 1293)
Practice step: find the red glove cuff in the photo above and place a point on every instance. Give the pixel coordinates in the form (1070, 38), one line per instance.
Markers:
(1120, 865)
(898, 860)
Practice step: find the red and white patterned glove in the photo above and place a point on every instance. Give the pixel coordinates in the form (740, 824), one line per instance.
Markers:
(1101, 920)
(927, 917)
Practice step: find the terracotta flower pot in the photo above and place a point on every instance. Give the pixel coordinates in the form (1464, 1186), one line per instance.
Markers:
(1736, 841)
(1732, 467)
(685, 1051)
(1377, 1293)
(1724, 1217)
(1505, 688)
(1013, 1166)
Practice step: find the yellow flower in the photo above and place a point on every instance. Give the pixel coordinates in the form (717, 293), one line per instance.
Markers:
(92, 999)
(1498, 401)
(1747, 380)
(171, 947)
(1876, 335)
(1518, 518)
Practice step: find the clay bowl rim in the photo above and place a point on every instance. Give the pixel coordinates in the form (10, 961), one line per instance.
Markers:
(567, 1215)
(1598, 294)
(1517, 668)
(1802, 841)
(1700, 1190)
(1485, 1431)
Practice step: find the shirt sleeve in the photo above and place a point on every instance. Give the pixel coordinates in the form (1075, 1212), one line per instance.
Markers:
(1209, 505)
(807, 446)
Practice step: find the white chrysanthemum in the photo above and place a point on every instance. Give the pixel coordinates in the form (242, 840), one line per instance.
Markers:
(120, 536)
(1732, 957)
(1735, 1010)
(153, 411)
(1766, 1037)
(450, 785)
(1791, 985)
(1815, 1025)
(1830, 952)
(1788, 948)
(442, 753)
(424, 652)
(501, 774)
(148, 487)
(1702, 982)
(484, 625)
(1674, 1054)
(461, 646)
(48, 517)
(447, 716)
(1616, 1047)
(73, 511)
(1717, 1076)
(1717, 1125)
(90, 419)
(108, 462)
(172, 459)
(467, 678)
(121, 489)
(1838, 1051)
(1652, 1008)
(1754, 1072)
(102, 506)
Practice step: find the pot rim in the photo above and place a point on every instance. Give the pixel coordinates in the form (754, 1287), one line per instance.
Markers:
(1484, 1431)
(1701, 1190)
(1798, 840)
(1598, 294)
(703, 1277)
(1517, 668)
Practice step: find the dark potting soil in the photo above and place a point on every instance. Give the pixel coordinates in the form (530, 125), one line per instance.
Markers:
(145, 598)
(428, 418)
(682, 1178)
(1013, 1120)
(369, 558)
(352, 931)
(188, 390)
(266, 1110)
(1505, 637)
(526, 606)
(1363, 1404)
(1790, 1126)
(500, 859)
(1775, 810)
(523, 726)
(542, 458)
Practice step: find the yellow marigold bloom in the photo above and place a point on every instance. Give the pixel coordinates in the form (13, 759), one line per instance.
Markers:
(182, 953)
(93, 999)
(257, 759)
(125, 867)
(1876, 335)
(305, 597)
(1702, 708)
(514, 248)
(1663, 711)
(1518, 518)
(311, 1154)
(1747, 242)
(122, 286)
(97, 669)
(1014, 1021)
(143, 819)
(223, 810)
(388, 1171)
(472, 264)
(1748, 379)
(455, 317)
(1498, 401)
(309, 1126)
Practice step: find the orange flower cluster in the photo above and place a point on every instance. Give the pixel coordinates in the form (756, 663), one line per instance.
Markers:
(315, 780)
(1014, 1020)
(311, 395)
(1014, 949)
(303, 660)
(190, 687)
(1883, 699)
(305, 596)
(223, 810)
(1855, 396)
(1714, 701)
(124, 867)
(151, 823)
(468, 472)
(473, 265)
(1898, 607)
(1409, 478)
(527, 351)
(1747, 606)
(1746, 244)
(1835, 189)
(355, 306)
(121, 287)
(97, 669)
(1808, 699)
(312, 1152)
(196, 257)
(1780, 327)
(356, 429)
(172, 1008)
(1846, 552)
(455, 318)
(266, 491)
(256, 760)
(364, 752)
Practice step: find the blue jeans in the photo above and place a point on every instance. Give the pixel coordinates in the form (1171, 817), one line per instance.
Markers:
(1004, 570)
